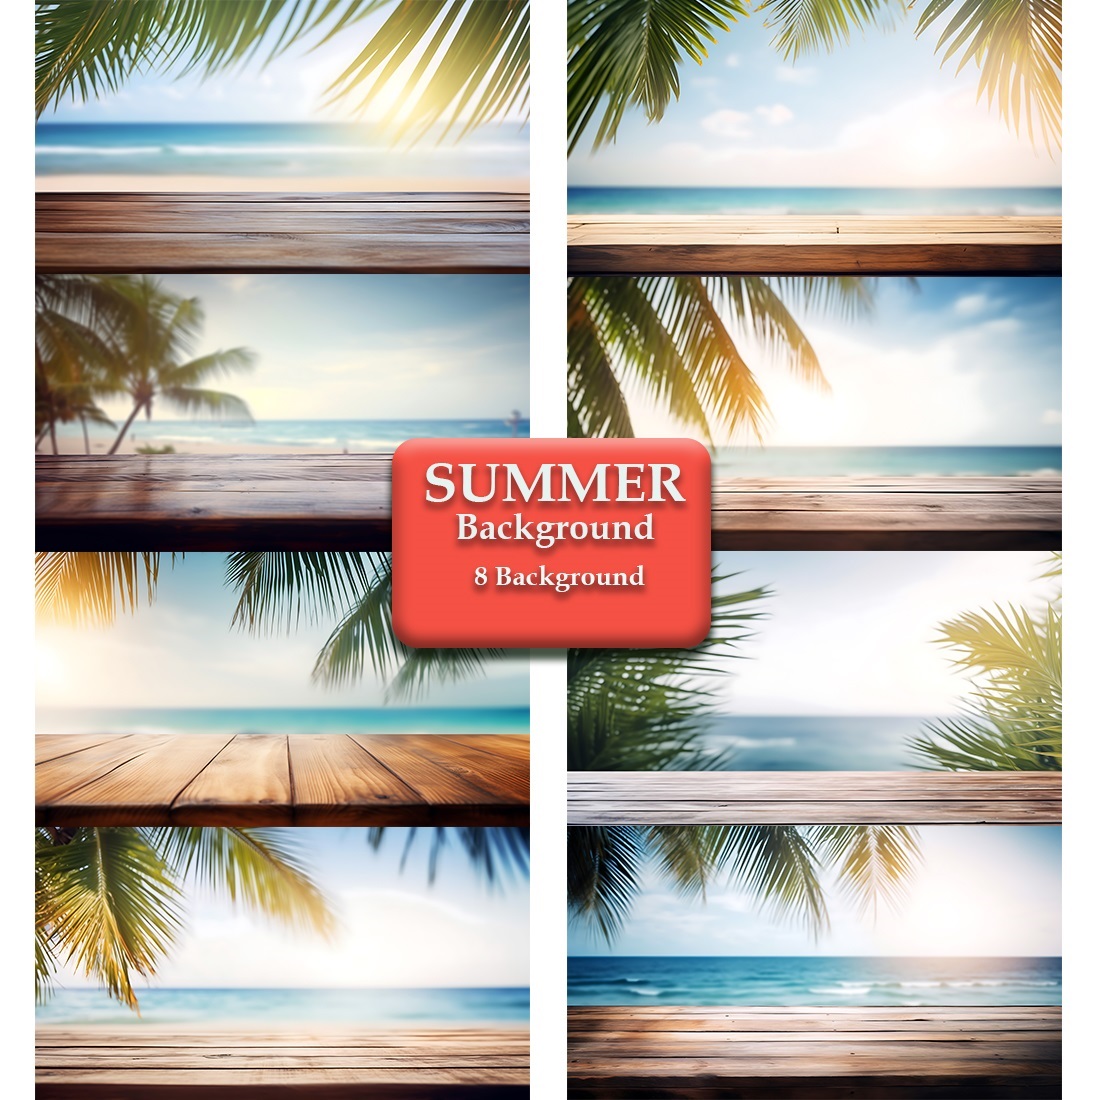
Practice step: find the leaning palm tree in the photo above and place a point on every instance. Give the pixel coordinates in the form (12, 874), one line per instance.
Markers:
(110, 901)
(456, 64)
(675, 342)
(150, 355)
(625, 55)
(785, 868)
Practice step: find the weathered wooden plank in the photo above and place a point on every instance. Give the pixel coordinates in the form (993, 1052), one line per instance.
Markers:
(441, 232)
(811, 244)
(258, 779)
(62, 744)
(303, 502)
(796, 1053)
(247, 783)
(804, 798)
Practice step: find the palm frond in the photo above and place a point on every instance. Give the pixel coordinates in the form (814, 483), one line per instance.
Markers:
(94, 587)
(107, 904)
(494, 852)
(627, 53)
(604, 872)
(257, 868)
(807, 25)
(1016, 46)
(873, 863)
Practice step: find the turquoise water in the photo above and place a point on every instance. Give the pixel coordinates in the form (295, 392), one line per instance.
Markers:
(282, 720)
(815, 200)
(800, 743)
(886, 461)
(322, 435)
(272, 150)
(819, 981)
(392, 1007)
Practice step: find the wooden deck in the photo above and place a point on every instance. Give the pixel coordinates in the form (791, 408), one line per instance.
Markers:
(628, 244)
(815, 1053)
(263, 779)
(810, 798)
(139, 232)
(135, 1062)
(904, 513)
(342, 502)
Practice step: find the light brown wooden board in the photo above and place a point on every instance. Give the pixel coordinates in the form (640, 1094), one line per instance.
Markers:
(309, 502)
(268, 779)
(800, 1053)
(627, 244)
(806, 798)
(438, 232)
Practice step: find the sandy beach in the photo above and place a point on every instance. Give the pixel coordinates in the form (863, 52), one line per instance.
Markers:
(519, 185)
(69, 444)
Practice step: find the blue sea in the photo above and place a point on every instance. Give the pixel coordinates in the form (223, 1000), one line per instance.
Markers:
(383, 1007)
(815, 200)
(317, 435)
(272, 150)
(227, 720)
(815, 743)
(818, 981)
(887, 461)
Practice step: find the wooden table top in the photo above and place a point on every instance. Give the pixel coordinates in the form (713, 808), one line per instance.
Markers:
(253, 779)
(342, 502)
(808, 244)
(404, 232)
(815, 1053)
(810, 798)
(136, 1061)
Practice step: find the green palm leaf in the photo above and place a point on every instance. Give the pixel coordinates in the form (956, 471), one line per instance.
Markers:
(108, 904)
(94, 587)
(627, 53)
(604, 869)
(873, 862)
(806, 25)
(494, 852)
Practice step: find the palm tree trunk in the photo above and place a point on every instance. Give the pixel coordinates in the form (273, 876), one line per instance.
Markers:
(41, 435)
(53, 436)
(125, 428)
(84, 429)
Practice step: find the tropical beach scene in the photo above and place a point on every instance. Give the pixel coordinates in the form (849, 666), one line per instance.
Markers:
(830, 916)
(272, 643)
(770, 109)
(825, 376)
(841, 661)
(357, 95)
(220, 364)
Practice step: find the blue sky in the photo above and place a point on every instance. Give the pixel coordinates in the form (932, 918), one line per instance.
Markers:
(979, 890)
(368, 346)
(879, 111)
(852, 632)
(181, 652)
(955, 361)
(395, 929)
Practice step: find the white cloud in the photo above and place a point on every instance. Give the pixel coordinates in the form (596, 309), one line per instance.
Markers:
(776, 115)
(788, 74)
(727, 123)
(1051, 416)
(733, 60)
(969, 305)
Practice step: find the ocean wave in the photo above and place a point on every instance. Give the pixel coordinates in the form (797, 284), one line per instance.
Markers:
(645, 991)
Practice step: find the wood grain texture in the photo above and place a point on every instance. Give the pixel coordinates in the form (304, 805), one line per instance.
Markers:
(269, 779)
(342, 502)
(627, 244)
(430, 232)
(433, 1063)
(805, 1053)
(810, 798)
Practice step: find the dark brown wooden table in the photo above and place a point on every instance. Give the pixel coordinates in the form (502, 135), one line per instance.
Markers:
(810, 798)
(136, 1061)
(268, 779)
(797, 244)
(342, 502)
(403, 232)
(815, 1053)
